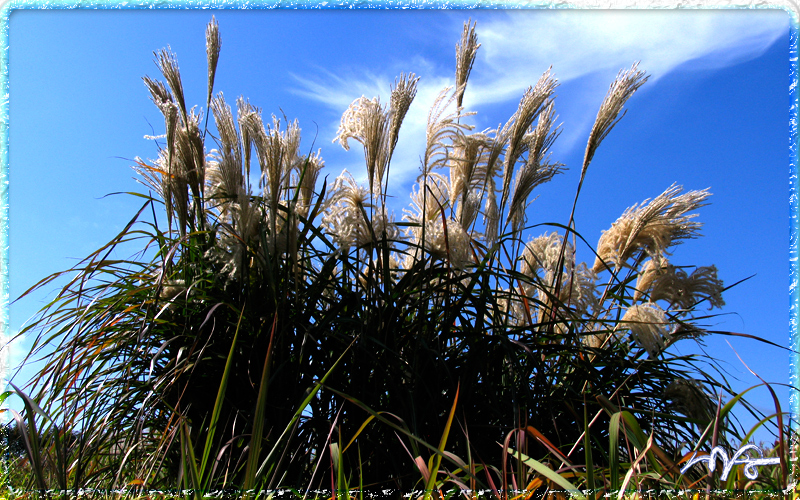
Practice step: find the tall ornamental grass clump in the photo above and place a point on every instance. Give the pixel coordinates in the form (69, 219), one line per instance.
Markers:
(287, 329)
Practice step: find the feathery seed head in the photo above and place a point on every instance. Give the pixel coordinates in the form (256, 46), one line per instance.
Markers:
(579, 290)
(491, 214)
(465, 58)
(171, 120)
(651, 227)
(528, 177)
(623, 87)
(683, 291)
(159, 93)
(468, 209)
(247, 217)
(228, 136)
(191, 151)
(244, 110)
(347, 217)
(309, 172)
(648, 273)
(403, 94)
(150, 177)
(213, 46)
(428, 200)
(177, 189)
(543, 254)
(465, 168)
(167, 63)
(224, 178)
(576, 297)
(450, 242)
(541, 139)
(647, 324)
(533, 102)
(367, 122)
(270, 145)
(442, 129)
(536, 170)
(215, 179)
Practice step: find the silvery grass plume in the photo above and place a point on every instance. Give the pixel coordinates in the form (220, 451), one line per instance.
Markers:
(429, 200)
(542, 254)
(243, 111)
(535, 100)
(623, 87)
(540, 263)
(468, 176)
(449, 242)
(275, 151)
(305, 180)
(536, 170)
(442, 130)
(366, 122)
(467, 167)
(466, 51)
(376, 128)
(225, 181)
(213, 46)
(403, 94)
(439, 234)
(282, 170)
(239, 235)
(681, 290)
(230, 146)
(651, 227)
(167, 64)
(648, 327)
(493, 164)
(350, 220)
(648, 272)
(190, 157)
(167, 173)
(579, 293)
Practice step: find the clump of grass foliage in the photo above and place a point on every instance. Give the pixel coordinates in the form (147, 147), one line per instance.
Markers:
(293, 333)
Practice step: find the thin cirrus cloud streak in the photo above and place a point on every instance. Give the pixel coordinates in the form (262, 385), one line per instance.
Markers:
(338, 93)
(516, 47)
(590, 42)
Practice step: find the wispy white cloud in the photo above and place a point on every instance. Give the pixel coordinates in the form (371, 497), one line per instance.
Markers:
(518, 46)
(337, 93)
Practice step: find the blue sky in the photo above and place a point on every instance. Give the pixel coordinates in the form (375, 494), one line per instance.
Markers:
(715, 113)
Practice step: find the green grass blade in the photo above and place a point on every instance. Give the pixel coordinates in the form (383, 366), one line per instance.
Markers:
(189, 460)
(212, 427)
(258, 419)
(587, 445)
(301, 407)
(613, 450)
(635, 434)
(31, 443)
(548, 473)
(437, 461)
